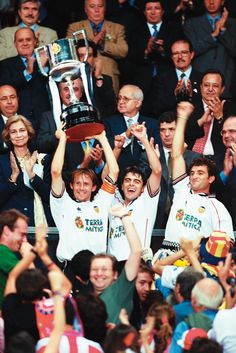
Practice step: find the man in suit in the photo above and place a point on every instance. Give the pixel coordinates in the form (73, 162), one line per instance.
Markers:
(205, 124)
(129, 103)
(101, 92)
(149, 46)
(213, 36)
(8, 107)
(228, 166)
(28, 11)
(167, 131)
(108, 36)
(179, 82)
(22, 72)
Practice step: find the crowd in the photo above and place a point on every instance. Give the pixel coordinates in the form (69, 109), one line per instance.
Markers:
(160, 78)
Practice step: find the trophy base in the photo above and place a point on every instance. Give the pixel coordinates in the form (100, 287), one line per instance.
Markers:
(81, 122)
(82, 131)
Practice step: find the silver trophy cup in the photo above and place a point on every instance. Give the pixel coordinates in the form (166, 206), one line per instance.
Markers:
(60, 61)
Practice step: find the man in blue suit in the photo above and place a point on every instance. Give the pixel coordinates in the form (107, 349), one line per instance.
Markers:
(129, 103)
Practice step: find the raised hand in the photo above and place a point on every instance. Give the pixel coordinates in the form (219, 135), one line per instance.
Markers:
(139, 131)
(14, 167)
(60, 133)
(29, 164)
(119, 141)
(184, 110)
(119, 211)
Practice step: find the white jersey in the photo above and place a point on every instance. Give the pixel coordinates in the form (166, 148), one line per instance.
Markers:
(143, 213)
(192, 214)
(81, 225)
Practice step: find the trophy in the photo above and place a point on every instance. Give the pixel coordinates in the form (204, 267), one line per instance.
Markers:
(59, 61)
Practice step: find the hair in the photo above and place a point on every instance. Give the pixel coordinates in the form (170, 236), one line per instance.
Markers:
(203, 161)
(136, 93)
(21, 2)
(164, 326)
(208, 293)
(20, 342)
(20, 29)
(81, 43)
(85, 171)
(9, 218)
(106, 256)
(8, 86)
(187, 280)
(15, 119)
(168, 117)
(120, 338)
(30, 284)
(214, 72)
(144, 268)
(143, 5)
(80, 264)
(92, 311)
(185, 41)
(205, 345)
(134, 170)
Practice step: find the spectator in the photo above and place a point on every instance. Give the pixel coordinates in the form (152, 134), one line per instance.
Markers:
(213, 37)
(14, 231)
(8, 107)
(121, 338)
(28, 11)
(117, 292)
(205, 124)
(24, 178)
(108, 36)
(180, 82)
(130, 100)
(228, 166)
(22, 72)
(149, 46)
(206, 297)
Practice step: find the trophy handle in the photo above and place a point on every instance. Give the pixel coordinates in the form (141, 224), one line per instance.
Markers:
(82, 33)
(37, 51)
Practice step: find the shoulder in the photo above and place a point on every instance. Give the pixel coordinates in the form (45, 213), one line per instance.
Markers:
(46, 30)
(8, 31)
(79, 24)
(114, 25)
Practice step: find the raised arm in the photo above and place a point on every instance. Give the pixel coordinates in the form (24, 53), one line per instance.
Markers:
(113, 169)
(184, 110)
(140, 132)
(133, 261)
(58, 161)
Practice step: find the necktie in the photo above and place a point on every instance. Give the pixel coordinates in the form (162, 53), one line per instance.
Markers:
(200, 143)
(213, 23)
(155, 31)
(130, 122)
(95, 30)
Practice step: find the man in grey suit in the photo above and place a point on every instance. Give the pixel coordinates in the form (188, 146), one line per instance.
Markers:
(213, 36)
(28, 11)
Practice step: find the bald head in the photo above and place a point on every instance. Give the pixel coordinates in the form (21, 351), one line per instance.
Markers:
(25, 42)
(8, 101)
(207, 293)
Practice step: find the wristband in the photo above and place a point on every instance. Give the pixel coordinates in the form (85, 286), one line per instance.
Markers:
(49, 265)
(57, 292)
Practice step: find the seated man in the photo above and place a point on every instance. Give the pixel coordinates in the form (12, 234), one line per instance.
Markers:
(8, 107)
(82, 222)
(194, 210)
(28, 11)
(117, 292)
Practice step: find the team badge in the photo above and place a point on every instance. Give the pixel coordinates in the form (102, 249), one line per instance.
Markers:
(96, 209)
(79, 223)
(179, 215)
(201, 209)
(56, 48)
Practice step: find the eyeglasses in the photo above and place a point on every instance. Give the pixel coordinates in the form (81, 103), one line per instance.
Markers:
(230, 132)
(125, 99)
(182, 53)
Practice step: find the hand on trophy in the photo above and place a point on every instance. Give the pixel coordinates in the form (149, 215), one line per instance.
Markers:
(60, 133)
(96, 155)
